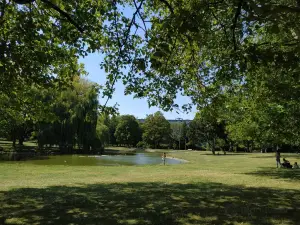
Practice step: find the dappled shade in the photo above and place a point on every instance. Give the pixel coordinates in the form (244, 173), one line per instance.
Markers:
(150, 203)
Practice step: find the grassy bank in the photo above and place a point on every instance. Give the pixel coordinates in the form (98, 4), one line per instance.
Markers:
(231, 189)
(7, 146)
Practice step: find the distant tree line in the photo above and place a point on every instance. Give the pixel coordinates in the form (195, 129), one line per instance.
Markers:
(211, 130)
(158, 133)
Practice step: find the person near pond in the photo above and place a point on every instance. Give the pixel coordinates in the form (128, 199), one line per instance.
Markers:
(164, 156)
(286, 164)
(278, 158)
(295, 166)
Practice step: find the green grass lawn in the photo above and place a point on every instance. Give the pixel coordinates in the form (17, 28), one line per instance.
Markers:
(231, 189)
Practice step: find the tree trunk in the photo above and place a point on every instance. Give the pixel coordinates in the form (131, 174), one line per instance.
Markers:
(263, 149)
(230, 146)
(213, 149)
(21, 140)
(40, 144)
(248, 146)
(13, 135)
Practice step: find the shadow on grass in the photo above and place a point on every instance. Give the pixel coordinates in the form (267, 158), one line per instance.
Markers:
(150, 203)
(282, 173)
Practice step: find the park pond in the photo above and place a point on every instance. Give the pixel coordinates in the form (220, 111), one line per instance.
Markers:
(96, 160)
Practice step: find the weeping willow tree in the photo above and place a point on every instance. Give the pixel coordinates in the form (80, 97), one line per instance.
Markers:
(76, 112)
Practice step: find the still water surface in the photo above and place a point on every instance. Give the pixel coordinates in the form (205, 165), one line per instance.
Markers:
(104, 160)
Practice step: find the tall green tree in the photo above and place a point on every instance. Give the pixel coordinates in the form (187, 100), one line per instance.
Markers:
(184, 136)
(41, 41)
(21, 109)
(177, 134)
(113, 123)
(76, 112)
(156, 130)
(205, 129)
(102, 129)
(263, 110)
(128, 131)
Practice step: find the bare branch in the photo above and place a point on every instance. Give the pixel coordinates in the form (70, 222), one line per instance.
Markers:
(21, 2)
(64, 14)
(55, 7)
(139, 26)
(283, 8)
(127, 33)
(275, 8)
(116, 27)
(168, 5)
(222, 25)
(2, 12)
(292, 42)
(142, 18)
(132, 21)
(235, 19)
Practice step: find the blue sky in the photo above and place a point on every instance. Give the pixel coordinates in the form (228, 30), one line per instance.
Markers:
(128, 104)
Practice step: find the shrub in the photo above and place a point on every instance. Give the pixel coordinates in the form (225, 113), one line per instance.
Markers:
(141, 144)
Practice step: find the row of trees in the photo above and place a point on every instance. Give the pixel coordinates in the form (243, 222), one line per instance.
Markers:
(214, 128)
(69, 117)
(154, 132)
(126, 130)
(157, 132)
(238, 123)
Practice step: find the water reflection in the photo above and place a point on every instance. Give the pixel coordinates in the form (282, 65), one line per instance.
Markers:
(91, 160)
